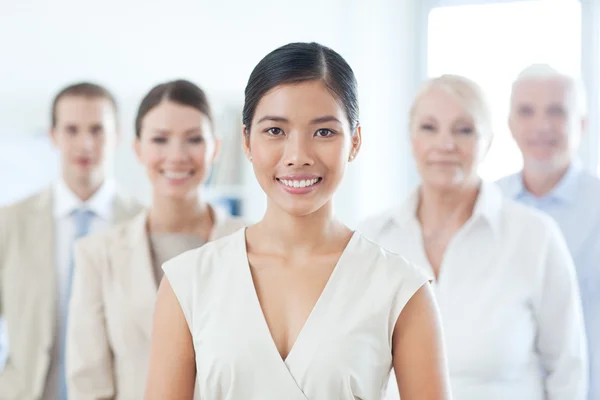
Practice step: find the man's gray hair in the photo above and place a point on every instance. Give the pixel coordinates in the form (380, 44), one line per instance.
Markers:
(541, 72)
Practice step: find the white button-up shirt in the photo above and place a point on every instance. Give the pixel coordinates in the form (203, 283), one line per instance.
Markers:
(65, 202)
(575, 205)
(508, 298)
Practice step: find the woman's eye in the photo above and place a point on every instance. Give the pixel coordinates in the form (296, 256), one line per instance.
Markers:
(466, 130)
(159, 140)
(275, 131)
(427, 127)
(324, 133)
(196, 139)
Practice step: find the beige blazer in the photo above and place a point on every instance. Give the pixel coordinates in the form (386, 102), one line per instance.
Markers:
(111, 311)
(28, 291)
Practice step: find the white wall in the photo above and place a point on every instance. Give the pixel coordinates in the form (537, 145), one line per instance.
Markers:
(386, 57)
(131, 45)
(590, 41)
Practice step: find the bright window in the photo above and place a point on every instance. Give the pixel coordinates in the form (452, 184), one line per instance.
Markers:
(491, 44)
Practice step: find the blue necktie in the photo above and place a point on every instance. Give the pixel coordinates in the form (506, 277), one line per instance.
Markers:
(82, 219)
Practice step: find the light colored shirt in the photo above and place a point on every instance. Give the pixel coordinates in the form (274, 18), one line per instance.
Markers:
(508, 299)
(344, 348)
(65, 202)
(575, 205)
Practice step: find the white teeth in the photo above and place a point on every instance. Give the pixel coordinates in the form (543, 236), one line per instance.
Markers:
(176, 175)
(299, 183)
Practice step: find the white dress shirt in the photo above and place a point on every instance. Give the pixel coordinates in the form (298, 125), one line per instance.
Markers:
(65, 202)
(508, 298)
(574, 203)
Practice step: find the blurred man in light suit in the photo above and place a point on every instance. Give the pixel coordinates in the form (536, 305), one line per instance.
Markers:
(36, 240)
(547, 120)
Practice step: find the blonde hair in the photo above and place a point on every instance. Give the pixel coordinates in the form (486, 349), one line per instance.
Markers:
(544, 72)
(468, 93)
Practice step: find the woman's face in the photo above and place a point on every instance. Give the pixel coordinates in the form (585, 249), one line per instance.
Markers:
(300, 142)
(446, 142)
(177, 147)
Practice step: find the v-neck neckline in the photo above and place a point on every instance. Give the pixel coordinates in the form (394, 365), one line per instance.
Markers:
(315, 312)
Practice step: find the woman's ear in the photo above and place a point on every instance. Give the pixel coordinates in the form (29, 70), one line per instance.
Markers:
(485, 147)
(356, 143)
(246, 142)
(137, 148)
(216, 150)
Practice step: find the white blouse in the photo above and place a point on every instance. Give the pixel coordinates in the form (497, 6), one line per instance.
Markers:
(508, 297)
(343, 351)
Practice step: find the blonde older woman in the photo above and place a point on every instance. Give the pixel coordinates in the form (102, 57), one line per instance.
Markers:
(504, 279)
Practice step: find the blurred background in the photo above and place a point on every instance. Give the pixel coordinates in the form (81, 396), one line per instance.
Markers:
(392, 45)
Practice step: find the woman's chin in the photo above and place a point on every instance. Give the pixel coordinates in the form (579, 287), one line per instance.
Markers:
(446, 184)
(300, 207)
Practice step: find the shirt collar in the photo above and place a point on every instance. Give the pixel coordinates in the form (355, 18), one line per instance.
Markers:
(514, 187)
(487, 206)
(564, 191)
(65, 201)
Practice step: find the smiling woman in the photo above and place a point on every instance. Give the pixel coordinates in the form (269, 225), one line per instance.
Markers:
(175, 140)
(297, 306)
(300, 150)
(118, 272)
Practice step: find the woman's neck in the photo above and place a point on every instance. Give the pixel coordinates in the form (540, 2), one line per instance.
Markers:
(188, 215)
(293, 236)
(441, 210)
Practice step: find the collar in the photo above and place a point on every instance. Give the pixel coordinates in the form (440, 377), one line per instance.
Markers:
(487, 206)
(101, 202)
(564, 191)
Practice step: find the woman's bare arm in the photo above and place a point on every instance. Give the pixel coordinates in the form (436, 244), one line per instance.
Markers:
(172, 371)
(418, 350)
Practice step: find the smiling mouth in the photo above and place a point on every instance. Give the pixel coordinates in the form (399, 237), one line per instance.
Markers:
(299, 183)
(445, 163)
(177, 175)
(542, 143)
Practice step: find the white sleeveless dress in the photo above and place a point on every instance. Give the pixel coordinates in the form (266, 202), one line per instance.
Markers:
(343, 351)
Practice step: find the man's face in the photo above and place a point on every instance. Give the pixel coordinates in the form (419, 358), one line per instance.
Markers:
(85, 135)
(545, 122)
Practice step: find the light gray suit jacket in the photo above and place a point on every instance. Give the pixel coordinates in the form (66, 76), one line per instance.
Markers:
(28, 291)
(111, 310)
